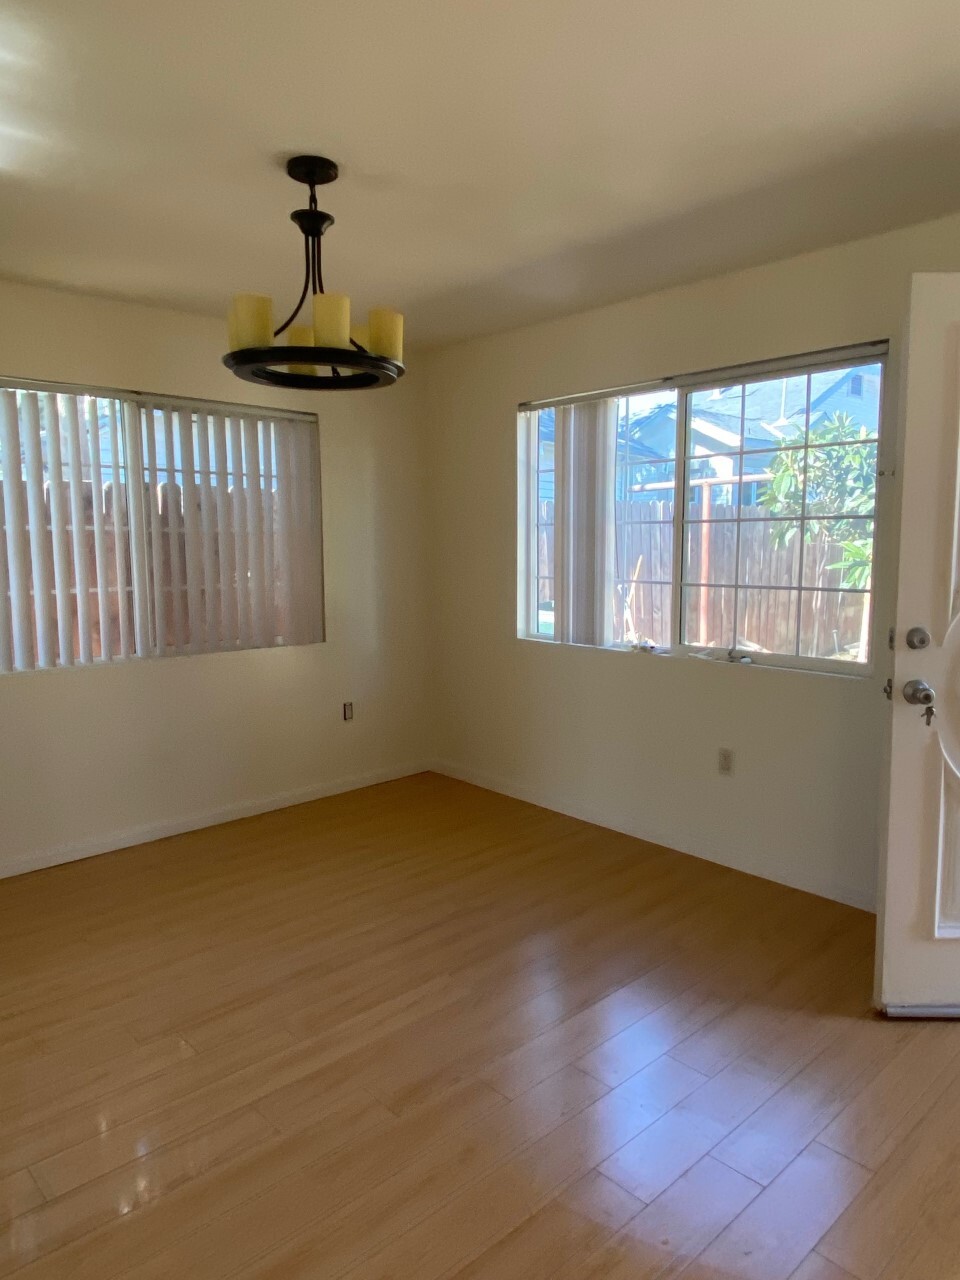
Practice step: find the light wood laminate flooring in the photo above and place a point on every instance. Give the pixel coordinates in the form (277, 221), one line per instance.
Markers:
(423, 1031)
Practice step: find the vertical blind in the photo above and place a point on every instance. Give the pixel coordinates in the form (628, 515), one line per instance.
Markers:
(131, 528)
(580, 554)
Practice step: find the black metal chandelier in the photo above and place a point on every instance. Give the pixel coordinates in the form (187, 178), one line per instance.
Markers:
(324, 354)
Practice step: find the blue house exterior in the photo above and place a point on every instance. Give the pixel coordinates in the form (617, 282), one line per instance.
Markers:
(772, 412)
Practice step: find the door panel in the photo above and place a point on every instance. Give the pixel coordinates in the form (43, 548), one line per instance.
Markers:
(919, 928)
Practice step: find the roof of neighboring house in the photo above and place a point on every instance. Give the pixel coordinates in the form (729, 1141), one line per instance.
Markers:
(774, 410)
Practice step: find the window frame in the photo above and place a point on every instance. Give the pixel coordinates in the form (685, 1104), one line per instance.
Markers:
(685, 385)
(141, 403)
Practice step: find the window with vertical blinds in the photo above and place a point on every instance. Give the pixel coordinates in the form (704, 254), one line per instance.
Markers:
(133, 527)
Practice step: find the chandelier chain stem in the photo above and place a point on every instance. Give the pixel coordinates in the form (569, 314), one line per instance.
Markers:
(303, 292)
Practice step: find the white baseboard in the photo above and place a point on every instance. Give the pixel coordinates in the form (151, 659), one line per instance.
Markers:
(37, 859)
(922, 1010)
(851, 897)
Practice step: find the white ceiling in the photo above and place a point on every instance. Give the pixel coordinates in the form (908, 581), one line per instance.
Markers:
(501, 160)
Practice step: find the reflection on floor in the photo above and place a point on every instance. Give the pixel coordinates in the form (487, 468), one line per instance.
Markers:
(426, 1031)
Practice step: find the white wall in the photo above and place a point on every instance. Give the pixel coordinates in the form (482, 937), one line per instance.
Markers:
(423, 640)
(95, 758)
(629, 740)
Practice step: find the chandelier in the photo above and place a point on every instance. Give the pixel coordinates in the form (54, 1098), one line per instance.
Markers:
(322, 353)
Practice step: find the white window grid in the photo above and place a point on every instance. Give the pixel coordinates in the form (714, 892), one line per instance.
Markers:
(802, 519)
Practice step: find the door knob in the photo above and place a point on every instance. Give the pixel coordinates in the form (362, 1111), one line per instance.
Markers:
(919, 693)
(918, 638)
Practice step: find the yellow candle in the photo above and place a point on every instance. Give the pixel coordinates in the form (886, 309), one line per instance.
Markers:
(360, 333)
(386, 333)
(298, 335)
(331, 319)
(253, 317)
(233, 340)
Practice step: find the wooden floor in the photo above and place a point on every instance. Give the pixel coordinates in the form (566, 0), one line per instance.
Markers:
(425, 1031)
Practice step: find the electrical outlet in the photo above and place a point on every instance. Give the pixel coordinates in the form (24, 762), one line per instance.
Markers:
(725, 760)
(348, 711)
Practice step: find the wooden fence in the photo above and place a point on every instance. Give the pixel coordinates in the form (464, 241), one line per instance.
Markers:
(770, 615)
(165, 567)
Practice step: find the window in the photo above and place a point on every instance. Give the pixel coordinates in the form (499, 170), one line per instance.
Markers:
(768, 550)
(132, 527)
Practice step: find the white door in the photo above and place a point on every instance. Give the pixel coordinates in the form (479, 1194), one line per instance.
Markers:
(918, 968)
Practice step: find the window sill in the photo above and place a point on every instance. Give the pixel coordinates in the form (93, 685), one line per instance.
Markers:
(719, 658)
